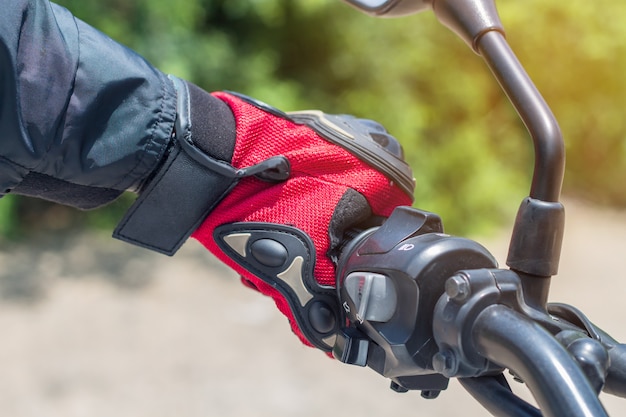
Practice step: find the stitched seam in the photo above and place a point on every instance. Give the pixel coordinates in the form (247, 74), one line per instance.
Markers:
(12, 162)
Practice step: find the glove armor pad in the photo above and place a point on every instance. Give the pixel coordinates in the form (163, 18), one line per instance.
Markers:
(283, 257)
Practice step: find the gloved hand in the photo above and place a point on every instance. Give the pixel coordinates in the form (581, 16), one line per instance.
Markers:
(284, 236)
(273, 195)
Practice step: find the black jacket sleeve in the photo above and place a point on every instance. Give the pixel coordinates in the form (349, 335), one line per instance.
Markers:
(82, 118)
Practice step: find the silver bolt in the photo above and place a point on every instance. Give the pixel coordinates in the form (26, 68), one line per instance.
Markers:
(458, 288)
(445, 363)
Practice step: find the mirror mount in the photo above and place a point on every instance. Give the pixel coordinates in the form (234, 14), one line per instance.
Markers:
(468, 19)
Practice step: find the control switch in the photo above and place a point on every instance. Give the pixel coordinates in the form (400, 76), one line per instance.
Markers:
(373, 295)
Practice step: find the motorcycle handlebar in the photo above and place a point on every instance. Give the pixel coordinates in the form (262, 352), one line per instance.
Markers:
(554, 378)
(494, 393)
(414, 315)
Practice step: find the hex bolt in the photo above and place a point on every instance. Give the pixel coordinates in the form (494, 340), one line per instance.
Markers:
(458, 287)
(445, 363)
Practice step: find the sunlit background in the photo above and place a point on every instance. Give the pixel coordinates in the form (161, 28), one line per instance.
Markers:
(471, 157)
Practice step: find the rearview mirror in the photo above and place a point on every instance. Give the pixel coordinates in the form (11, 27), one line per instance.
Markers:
(390, 8)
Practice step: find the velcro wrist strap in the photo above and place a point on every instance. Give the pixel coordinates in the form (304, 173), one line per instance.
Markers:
(188, 185)
(173, 204)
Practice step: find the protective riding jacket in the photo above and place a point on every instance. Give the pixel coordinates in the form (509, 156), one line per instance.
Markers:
(83, 118)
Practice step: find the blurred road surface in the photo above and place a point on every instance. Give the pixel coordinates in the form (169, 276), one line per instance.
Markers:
(94, 328)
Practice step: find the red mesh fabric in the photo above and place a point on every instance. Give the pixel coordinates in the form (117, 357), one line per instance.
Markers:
(321, 174)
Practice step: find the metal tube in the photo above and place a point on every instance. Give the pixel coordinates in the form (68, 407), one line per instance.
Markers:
(534, 112)
(536, 240)
(553, 377)
(496, 398)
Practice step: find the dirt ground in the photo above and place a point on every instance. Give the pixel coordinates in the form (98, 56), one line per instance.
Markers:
(96, 328)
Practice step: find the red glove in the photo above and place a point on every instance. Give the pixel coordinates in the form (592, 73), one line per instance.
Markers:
(283, 237)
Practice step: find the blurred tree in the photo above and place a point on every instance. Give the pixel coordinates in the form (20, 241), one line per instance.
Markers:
(471, 155)
(577, 55)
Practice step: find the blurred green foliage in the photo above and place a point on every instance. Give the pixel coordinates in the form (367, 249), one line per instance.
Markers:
(471, 155)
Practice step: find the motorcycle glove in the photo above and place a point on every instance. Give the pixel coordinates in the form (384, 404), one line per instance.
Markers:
(277, 212)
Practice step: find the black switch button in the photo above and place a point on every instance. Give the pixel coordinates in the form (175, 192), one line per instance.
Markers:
(269, 252)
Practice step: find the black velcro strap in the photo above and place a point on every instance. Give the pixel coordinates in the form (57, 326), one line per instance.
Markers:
(173, 204)
(186, 188)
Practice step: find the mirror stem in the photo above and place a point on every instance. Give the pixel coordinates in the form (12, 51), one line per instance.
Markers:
(536, 240)
(535, 247)
(534, 112)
